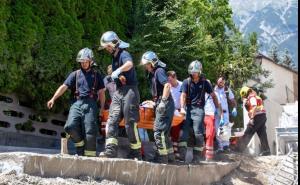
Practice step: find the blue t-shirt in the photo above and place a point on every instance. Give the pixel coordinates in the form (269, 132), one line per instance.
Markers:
(85, 82)
(158, 80)
(122, 57)
(197, 91)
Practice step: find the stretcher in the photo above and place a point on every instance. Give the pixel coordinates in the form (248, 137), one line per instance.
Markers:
(147, 117)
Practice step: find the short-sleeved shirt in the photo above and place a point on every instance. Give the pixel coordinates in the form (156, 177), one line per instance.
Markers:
(209, 107)
(196, 95)
(175, 91)
(85, 82)
(158, 80)
(121, 58)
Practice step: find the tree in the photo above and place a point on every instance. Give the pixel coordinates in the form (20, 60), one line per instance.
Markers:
(273, 53)
(183, 31)
(39, 43)
(287, 59)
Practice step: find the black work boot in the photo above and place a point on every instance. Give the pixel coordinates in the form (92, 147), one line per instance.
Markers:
(171, 158)
(135, 154)
(162, 159)
(109, 152)
(182, 153)
(197, 158)
(80, 151)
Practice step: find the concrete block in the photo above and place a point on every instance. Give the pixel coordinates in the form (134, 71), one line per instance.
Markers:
(124, 171)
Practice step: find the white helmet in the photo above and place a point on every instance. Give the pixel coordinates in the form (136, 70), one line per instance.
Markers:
(195, 67)
(110, 38)
(151, 57)
(85, 54)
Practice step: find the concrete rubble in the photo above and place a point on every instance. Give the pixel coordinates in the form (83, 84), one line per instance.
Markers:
(58, 167)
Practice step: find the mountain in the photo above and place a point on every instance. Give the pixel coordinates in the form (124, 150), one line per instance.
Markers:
(275, 22)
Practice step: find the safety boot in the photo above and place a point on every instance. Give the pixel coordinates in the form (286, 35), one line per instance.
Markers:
(171, 158)
(197, 158)
(135, 154)
(109, 152)
(161, 159)
(182, 153)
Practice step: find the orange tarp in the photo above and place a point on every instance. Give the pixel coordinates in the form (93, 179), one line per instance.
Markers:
(146, 118)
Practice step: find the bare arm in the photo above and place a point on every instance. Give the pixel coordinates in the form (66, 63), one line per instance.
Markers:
(59, 92)
(183, 100)
(166, 91)
(101, 96)
(126, 66)
(215, 99)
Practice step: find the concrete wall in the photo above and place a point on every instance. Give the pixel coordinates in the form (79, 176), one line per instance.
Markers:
(282, 79)
(38, 126)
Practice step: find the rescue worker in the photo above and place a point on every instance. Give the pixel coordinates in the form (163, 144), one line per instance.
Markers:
(192, 105)
(125, 100)
(209, 122)
(257, 123)
(175, 92)
(164, 106)
(227, 100)
(82, 125)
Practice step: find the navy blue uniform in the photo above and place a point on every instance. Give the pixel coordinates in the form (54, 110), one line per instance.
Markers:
(122, 57)
(125, 104)
(163, 120)
(85, 82)
(196, 92)
(195, 101)
(82, 119)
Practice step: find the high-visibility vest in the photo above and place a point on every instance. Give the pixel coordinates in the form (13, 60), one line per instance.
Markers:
(259, 102)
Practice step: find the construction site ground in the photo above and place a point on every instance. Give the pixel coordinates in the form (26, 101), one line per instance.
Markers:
(251, 170)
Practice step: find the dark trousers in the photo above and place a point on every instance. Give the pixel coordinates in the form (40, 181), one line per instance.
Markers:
(162, 128)
(259, 127)
(194, 119)
(125, 104)
(82, 126)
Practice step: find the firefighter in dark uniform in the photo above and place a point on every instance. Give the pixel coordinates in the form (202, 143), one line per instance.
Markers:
(126, 99)
(192, 102)
(88, 87)
(160, 89)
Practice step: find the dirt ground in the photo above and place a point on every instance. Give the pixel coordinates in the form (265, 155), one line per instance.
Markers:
(252, 170)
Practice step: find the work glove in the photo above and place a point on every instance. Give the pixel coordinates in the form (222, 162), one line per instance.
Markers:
(222, 122)
(116, 73)
(161, 108)
(234, 112)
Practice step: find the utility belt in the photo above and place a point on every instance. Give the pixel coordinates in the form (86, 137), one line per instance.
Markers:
(189, 102)
(92, 96)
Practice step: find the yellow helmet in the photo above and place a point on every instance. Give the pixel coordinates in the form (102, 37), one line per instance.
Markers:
(244, 91)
